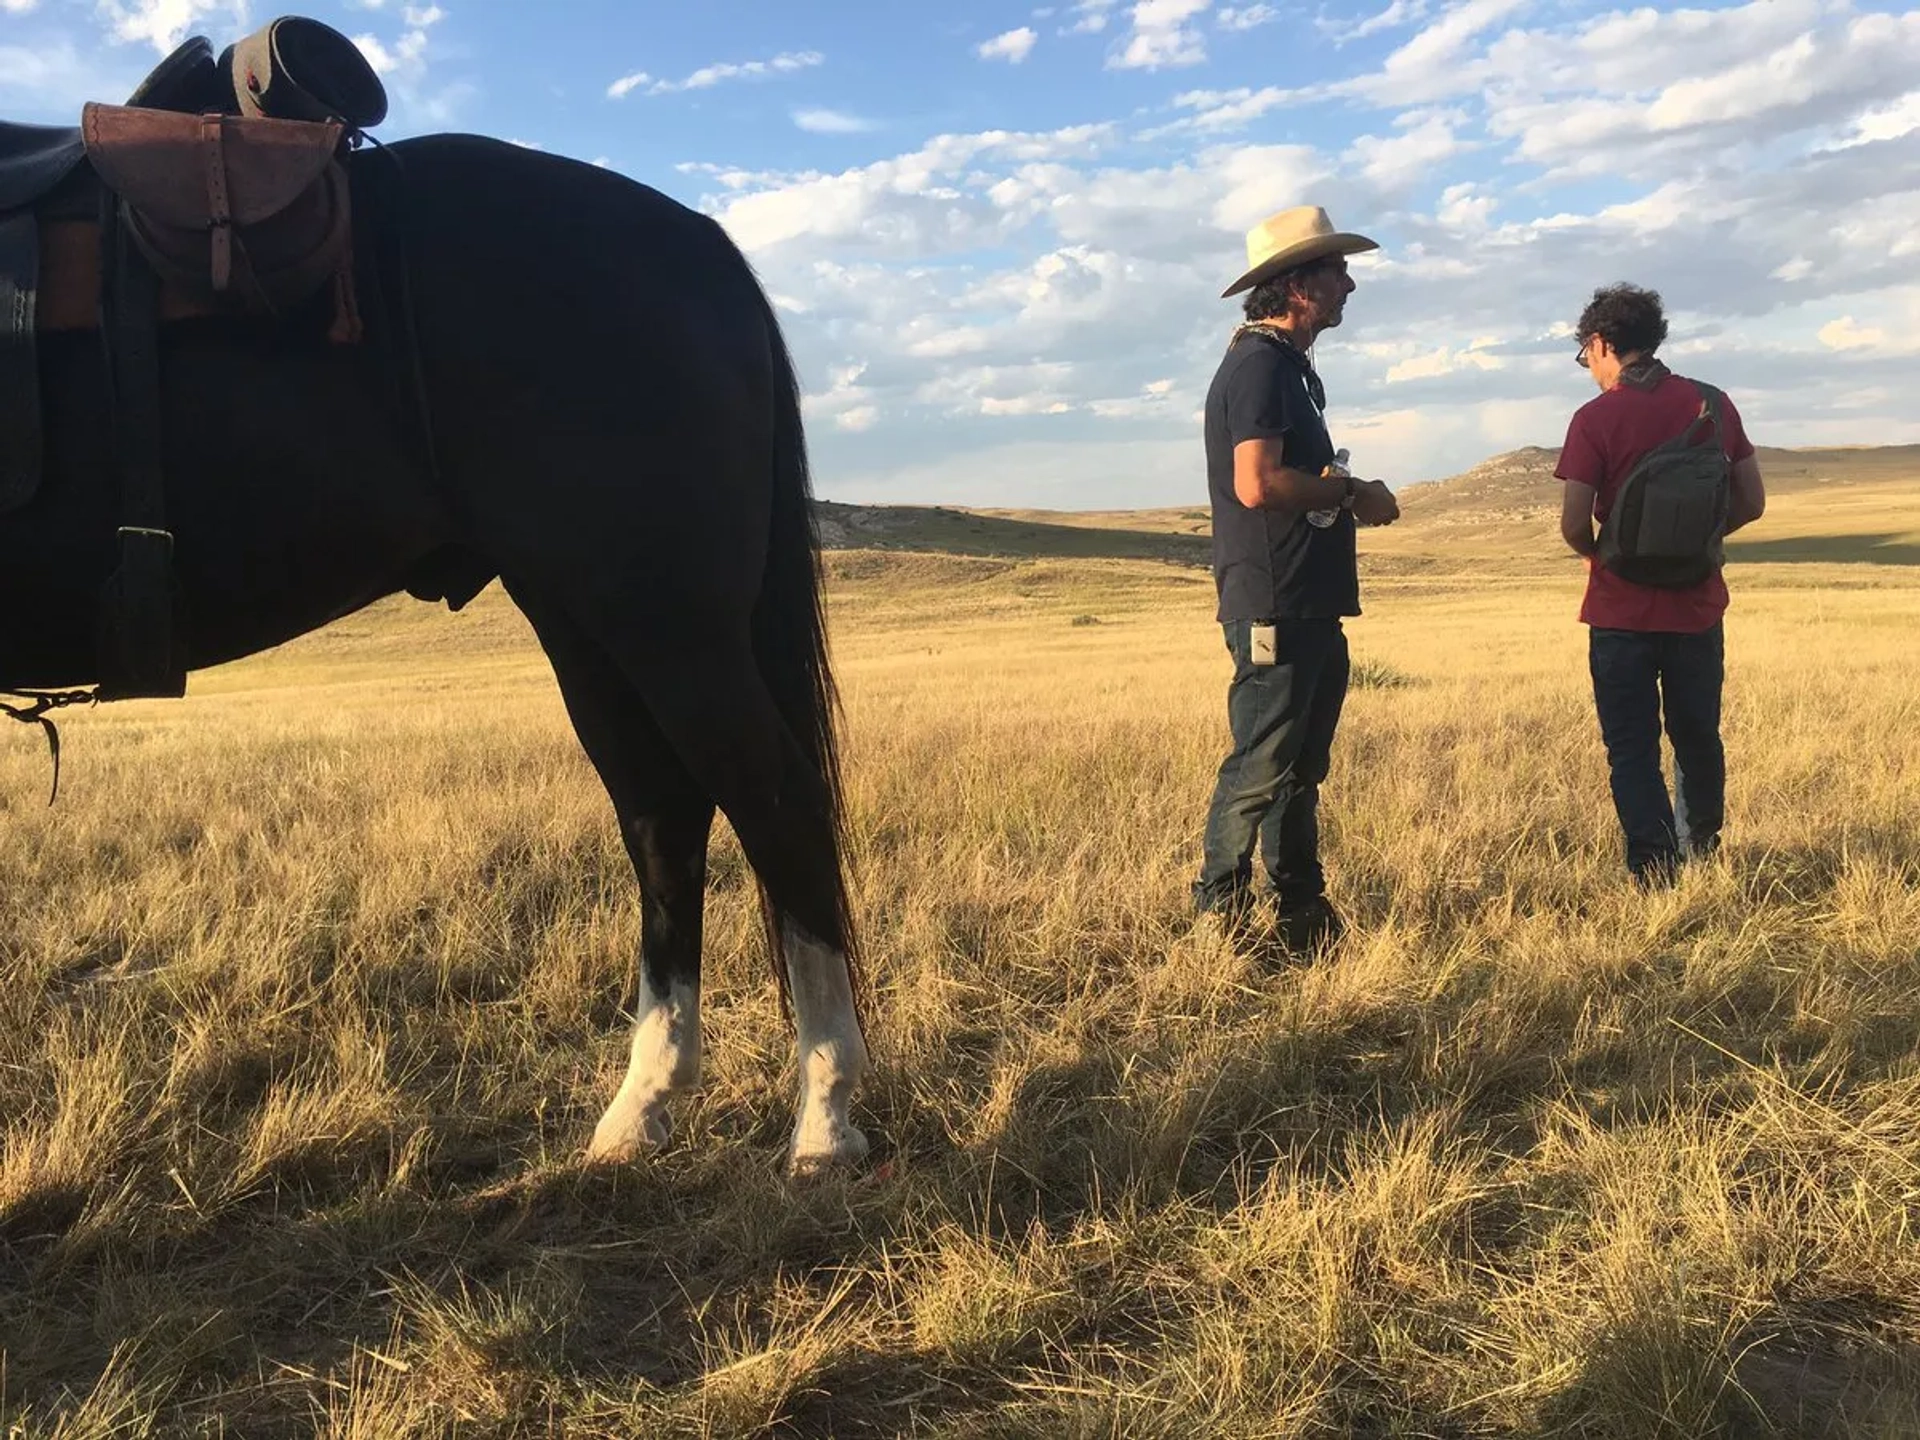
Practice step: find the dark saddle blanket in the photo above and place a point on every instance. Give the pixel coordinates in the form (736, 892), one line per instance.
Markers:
(225, 176)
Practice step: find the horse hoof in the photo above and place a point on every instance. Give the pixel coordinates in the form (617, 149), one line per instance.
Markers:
(619, 1140)
(844, 1151)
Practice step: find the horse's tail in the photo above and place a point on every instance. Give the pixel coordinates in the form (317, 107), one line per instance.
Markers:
(790, 637)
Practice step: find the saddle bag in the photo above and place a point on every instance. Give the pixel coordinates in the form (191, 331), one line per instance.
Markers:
(252, 210)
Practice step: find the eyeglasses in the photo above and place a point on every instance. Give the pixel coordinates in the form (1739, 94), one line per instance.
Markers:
(1580, 357)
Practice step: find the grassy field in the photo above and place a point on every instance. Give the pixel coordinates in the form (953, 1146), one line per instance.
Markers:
(314, 981)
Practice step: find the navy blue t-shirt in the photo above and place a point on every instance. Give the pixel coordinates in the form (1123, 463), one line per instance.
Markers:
(1275, 564)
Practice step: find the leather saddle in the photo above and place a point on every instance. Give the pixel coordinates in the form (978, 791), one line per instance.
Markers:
(225, 176)
(218, 188)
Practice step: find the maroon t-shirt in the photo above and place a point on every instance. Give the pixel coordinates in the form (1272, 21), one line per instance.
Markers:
(1605, 440)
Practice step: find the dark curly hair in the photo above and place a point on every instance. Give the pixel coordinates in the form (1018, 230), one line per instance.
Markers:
(1628, 318)
(1274, 296)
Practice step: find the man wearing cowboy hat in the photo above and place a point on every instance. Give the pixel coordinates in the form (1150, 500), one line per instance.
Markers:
(1285, 569)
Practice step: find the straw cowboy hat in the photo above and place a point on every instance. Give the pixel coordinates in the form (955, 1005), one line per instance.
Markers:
(1293, 237)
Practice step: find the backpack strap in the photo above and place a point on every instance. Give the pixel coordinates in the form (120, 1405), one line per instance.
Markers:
(1710, 403)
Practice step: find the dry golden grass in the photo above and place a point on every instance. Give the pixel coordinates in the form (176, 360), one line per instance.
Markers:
(314, 986)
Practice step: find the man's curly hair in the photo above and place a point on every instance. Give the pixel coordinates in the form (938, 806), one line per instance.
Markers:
(1628, 318)
(1273, 296)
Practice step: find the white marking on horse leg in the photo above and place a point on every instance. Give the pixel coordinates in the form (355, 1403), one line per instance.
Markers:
(832, 1055)
(664, 1062)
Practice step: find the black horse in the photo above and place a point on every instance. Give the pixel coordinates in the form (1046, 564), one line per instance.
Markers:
(611, 426)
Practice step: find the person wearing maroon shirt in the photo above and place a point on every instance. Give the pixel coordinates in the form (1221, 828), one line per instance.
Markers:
(1651, 650)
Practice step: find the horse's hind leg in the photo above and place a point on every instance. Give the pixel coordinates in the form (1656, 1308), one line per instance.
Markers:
(665, 818)
(704, 687)
(730, 733)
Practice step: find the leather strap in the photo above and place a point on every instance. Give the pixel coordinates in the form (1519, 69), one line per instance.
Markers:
(219, 211)
(132, 313)
(137, 645)
(20, 441)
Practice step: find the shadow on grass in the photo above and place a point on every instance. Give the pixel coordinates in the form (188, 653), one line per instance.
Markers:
(492, 1258)
(954, 532)
(1883, 549)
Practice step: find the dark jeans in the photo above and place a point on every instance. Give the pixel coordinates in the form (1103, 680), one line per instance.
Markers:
(1636, 676)
(1282, 717)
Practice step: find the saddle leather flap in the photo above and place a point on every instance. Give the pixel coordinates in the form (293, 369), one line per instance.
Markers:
(158, 161)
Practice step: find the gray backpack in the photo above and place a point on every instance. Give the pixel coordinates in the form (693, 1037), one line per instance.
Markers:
(1669, 520)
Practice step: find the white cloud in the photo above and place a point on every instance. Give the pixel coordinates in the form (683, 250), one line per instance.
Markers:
(1255, 180)
(1093, 16)
(845, 402)
(1023, 405)
(1425, 141)
(163, 24)
(914, 205)
(1245, 17)
(1400, 12)
(1890, 122)
(1707, 96)
(1739, 93)
(707, 76)
(406, 54)
(1044, 305)
(831, 122)
(1092, 471)
(1465, 209)
(1476, 356)
(1845, 334)
(1222, 110)
(1033, 388)
(17, 7)
(1428, 66)
(1163, 36)
(1155, 398)
(1013, 46)
(405, 61)
(1588, 99)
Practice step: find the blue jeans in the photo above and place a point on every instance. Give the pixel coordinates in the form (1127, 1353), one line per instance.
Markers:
(1638, 675)
(1282, 717)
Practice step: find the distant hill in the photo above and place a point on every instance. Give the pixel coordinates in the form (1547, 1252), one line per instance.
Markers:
(1508, 501)
(953, 531)
(1520, 484)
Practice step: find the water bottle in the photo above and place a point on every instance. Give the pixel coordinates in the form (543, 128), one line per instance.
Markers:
(1338, 470)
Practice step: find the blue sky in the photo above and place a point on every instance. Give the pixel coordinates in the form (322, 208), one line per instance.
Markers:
(997, 236)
